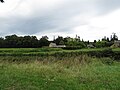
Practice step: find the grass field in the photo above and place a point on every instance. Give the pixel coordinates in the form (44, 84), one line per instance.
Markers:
(45, 51)
(67, 73)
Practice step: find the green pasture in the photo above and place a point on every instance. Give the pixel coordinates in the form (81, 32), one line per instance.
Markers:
(58, 69)
(52, 73)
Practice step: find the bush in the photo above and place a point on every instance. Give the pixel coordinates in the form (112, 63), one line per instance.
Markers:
(107, 52)
(101, 53)
(107, 61)
(116, 55)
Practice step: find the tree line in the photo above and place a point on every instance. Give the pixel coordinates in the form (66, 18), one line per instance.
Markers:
(14, 41)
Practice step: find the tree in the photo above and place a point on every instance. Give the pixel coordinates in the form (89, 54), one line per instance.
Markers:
(114, 37)
(66, 39)
(104, 39)
(59, 40)
(34, 41)
(77, 38)
(2, 42)
(27, 43)
(101, 44)
(108, 39)
(88, 42)
(44, 41)
(76, 44)
(11, 41)
(14, 41)
(95, 41)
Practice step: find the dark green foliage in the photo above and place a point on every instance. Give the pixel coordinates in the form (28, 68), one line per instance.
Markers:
(114, 37)
(14, 41)
(107, 52)
(2, 42)
(102, 44)
(116, 55)
(44, 41)
(76, 43)
(59, 40)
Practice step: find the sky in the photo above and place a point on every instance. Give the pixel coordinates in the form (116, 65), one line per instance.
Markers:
(89, 19)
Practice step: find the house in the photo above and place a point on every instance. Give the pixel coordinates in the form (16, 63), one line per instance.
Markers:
(53, 45)
(116, 44)
(60, 46)
(90, 46)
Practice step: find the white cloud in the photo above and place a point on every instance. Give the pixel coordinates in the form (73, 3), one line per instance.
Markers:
(5, 8)
(91, 19)
(99, 27)
(27, 7)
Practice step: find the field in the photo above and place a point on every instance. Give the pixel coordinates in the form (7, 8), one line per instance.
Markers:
(46, 51)
(49, 72)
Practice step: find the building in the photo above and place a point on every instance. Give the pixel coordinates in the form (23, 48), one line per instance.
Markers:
(53, 45)
(90, 46)
(116, 44)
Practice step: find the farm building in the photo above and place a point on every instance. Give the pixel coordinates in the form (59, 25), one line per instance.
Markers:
(116, 44)
(90, 46)
(53, 45)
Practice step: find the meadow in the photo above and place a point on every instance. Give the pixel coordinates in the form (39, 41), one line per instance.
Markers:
(57, 71)
(48, 51)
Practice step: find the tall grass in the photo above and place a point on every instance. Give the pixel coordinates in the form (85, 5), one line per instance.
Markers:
(58, 52)
(59, 73)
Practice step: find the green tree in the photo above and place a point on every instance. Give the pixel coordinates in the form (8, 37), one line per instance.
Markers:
(11, 41)
(114, 37)
(59, 40)
(2, 42)
(44, 41)
(101, 44)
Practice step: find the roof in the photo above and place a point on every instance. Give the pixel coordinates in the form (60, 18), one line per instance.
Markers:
(54, 45)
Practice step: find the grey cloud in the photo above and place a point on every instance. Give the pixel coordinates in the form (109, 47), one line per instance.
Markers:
(59, 18)
(107, 6)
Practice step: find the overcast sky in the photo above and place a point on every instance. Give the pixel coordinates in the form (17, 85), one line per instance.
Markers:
(90, 19)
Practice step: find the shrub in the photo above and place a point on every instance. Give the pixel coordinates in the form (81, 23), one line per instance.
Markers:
(107, 61)
(116, 55)
(107, 52)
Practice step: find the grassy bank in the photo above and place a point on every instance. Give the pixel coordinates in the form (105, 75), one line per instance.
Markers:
(58, 52)
(55, 73)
